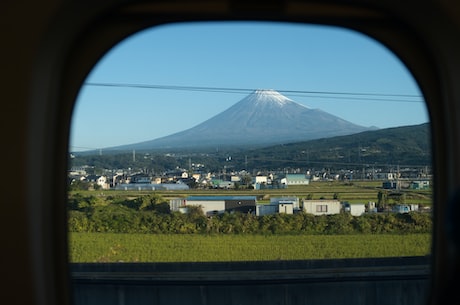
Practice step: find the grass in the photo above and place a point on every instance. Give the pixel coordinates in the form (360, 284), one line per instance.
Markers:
(99, 247)
(354, 192)
(106, 247)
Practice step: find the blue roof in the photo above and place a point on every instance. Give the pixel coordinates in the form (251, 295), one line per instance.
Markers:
(204, 198)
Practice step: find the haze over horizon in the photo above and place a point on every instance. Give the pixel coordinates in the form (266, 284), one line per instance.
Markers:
(170, 78)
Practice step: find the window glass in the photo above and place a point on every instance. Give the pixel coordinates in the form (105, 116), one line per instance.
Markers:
(248, 141)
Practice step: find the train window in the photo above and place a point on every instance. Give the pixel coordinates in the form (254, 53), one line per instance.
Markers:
(249, 142)
(321, 132)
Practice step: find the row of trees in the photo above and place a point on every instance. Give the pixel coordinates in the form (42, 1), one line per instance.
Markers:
(151, 214)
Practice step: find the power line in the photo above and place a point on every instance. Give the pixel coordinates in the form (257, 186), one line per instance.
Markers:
(407, 98)
(83, 147)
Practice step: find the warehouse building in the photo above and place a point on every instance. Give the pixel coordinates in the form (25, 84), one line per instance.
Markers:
(213, 205)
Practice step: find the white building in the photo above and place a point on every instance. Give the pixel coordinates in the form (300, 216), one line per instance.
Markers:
(99, 180)
(213, 205)
(386, 176)
(235, 178)
(293, 201)
(296, 179)
(286, 208)
(321, 207)
(282, 205)
(260, 180)
(357, 209)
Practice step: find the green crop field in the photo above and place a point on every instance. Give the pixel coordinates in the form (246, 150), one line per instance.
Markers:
(353, 192)
(111, 247)
(86, 246)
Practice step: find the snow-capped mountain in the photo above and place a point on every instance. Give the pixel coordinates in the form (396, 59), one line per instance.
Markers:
(264, 117)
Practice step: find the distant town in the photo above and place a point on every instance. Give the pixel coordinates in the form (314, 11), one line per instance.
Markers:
(182, 180)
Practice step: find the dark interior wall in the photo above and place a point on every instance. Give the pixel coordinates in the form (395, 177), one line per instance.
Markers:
(49, 46)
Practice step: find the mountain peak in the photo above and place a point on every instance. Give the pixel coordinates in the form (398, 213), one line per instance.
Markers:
(264, 117)
(264, 96)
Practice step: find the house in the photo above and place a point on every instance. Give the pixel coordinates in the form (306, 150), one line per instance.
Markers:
(386, 176)
(156, 180)
(420, 185)
(260, 180)
(177, 204)
(404, 208)
(77, 171)
(235, 178)
(296, 179)
(212, 205)
(282, 205)
(293, 201)
(118, 178)
(286, 208)
(73, 179)
(226, 185)
(401, 208)
(140, 178)
(98, 180)
(176, 174)
(390, 185)
(196, 176)
(321, 207)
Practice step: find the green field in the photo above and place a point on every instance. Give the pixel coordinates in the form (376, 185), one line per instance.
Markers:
(110, 247)
(353, 192)
(133, 247)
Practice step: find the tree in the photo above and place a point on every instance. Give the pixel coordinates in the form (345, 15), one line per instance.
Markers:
(397, 198)
(382, 199)
(162, 208)
(246, 180)
(194, 212)
(79, 185)
(150, 202)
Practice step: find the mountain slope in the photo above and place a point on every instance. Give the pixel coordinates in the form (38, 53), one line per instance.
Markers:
(264, 117)
(406, 145)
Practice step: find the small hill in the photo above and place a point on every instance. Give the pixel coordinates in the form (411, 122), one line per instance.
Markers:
(407, 145)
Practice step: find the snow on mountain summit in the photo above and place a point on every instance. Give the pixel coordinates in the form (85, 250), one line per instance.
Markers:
(262, 97)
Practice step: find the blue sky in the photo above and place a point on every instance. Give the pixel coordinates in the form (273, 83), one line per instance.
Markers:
(237, 55)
